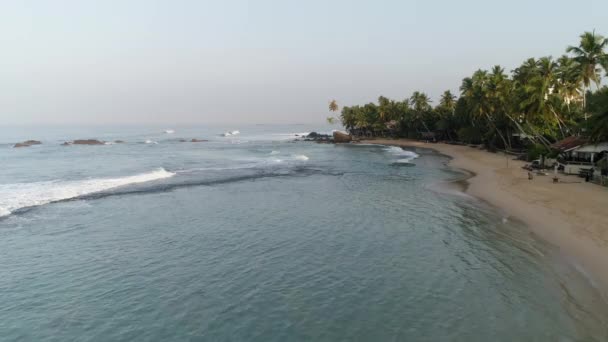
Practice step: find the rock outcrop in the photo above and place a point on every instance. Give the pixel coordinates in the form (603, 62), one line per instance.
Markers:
(342, 137)
(27, 143)
(318, 137)
(83, 142)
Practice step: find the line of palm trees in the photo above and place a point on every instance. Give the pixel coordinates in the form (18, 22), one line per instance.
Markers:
(541, 101)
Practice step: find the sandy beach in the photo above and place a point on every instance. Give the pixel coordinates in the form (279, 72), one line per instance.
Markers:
(572, 214)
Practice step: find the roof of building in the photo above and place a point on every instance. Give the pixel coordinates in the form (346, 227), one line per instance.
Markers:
(593, 148)
(569, 143)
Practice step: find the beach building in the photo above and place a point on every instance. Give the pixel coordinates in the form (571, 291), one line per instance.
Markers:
(577, 156)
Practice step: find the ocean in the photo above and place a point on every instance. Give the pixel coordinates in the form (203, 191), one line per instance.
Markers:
(252, 236)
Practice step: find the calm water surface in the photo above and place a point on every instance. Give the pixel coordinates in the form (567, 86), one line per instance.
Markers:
(253, 237)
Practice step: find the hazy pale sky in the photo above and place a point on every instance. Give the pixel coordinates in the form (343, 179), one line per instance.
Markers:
(237, 61)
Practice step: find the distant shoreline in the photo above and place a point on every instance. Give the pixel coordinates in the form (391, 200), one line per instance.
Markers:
(570, 215)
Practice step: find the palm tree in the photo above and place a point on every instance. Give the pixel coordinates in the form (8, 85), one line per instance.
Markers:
(480, 92)
(333, 106)
(590, 55)
(568, 80)
(448, 101)
(421, 104)
(384, 108)
(445, 111)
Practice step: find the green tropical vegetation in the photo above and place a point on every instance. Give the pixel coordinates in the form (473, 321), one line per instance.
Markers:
(538, 103)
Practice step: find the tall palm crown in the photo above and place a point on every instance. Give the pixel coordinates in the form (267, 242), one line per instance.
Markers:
(590, 55)
(333, 106)
(421, 104)
(568, 79)
(448, 100)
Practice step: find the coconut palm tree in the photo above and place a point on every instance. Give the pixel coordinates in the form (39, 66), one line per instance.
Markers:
(448, 101)
(384, 108)
(568, 80)
(421, 105)
(590, 56)
(333, 106)
(480, 91)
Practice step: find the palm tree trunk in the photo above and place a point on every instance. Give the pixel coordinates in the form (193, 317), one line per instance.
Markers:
(559, 122)
(507, 146)
(585, 101)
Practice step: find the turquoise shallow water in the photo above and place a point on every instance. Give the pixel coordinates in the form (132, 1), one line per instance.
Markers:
(255, 238)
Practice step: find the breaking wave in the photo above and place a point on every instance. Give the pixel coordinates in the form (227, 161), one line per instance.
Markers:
(23, 195)
(405, 157)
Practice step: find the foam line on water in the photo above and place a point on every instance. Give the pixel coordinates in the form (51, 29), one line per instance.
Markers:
(22, 195)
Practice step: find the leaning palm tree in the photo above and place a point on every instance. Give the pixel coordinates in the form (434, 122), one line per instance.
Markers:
(333, 106)
(590, 56)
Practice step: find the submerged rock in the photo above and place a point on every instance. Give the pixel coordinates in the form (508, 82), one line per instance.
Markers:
(119, 141)
(342, 137)
(192, 140)
(27, 143)
(83, 142)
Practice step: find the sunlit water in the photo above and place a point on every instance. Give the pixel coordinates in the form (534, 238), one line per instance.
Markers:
(252, 237)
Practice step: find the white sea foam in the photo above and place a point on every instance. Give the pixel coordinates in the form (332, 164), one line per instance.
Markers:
(169, 131)
(300, 157)
(148, 141)
(405, 156)
(278, 136)
(22, 195)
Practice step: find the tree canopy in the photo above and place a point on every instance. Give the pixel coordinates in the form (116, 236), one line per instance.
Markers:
(539, 102)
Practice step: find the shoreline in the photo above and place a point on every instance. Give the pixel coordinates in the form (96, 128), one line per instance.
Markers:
(571, 215)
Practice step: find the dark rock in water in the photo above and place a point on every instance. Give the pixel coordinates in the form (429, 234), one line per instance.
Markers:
(67, 143)
(317, 137)
(27, 143)
(403, 164)
(87, 142)
(342, 137)
(119, 141)
(198, 140)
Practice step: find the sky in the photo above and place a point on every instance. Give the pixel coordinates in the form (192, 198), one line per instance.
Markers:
(237, 61)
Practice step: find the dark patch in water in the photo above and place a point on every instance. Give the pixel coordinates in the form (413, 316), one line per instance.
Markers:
(401, 164)
(149, 188)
